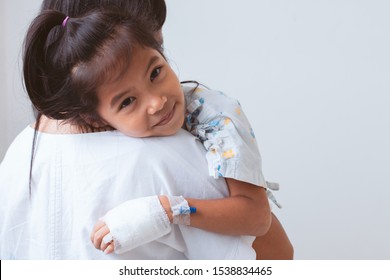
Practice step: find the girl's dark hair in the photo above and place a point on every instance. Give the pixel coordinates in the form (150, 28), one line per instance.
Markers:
(153, 11)
(62, 73)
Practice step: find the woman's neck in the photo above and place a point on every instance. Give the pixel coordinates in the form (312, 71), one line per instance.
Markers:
(57, 126)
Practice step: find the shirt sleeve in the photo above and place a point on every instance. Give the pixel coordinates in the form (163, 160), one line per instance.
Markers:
(221, 125)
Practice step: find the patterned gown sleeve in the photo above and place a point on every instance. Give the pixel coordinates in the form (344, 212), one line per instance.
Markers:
(221, 125)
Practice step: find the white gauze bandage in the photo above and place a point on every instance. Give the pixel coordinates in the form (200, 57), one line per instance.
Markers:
(180, 210)
(136, 222)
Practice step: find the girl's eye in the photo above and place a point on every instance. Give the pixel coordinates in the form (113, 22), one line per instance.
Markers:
(155, 73)
(128, 101)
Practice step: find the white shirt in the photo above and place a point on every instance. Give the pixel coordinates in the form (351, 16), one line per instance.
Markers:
(77, 178)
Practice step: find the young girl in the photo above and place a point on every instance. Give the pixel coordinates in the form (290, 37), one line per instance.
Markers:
(113, 75)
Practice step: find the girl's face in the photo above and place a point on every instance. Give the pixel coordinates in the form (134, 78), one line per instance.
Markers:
(147, 100)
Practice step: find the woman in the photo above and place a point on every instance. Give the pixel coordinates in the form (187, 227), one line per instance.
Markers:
(274, 244)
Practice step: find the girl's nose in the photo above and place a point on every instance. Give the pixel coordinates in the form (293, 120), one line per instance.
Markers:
(156, 104)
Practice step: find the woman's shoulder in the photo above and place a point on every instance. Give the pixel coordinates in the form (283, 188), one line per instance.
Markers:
(18, 153)
(22, 139)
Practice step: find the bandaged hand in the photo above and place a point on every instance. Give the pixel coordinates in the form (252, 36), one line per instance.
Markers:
(131, 224)
(139, 221)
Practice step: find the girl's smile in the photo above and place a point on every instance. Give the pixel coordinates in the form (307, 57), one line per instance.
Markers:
(166, 118)
(147, 100)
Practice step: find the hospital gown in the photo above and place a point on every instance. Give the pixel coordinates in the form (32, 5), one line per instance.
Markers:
(221, 125)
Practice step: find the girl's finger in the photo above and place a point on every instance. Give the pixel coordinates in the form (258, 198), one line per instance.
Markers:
(99, 235)
(109, 249)
(96, 227)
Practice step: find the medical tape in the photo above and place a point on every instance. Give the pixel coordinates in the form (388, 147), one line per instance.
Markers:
(108, 238)
(180, 210)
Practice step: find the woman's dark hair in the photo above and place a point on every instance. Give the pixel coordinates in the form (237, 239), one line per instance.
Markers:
(62, 74)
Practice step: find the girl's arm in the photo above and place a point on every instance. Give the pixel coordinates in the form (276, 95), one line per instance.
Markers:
(245, 212)
(232, 152)
(275, 244)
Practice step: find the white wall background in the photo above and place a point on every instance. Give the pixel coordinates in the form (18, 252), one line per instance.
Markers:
(314, 79)
(15, 109)
(3, 79)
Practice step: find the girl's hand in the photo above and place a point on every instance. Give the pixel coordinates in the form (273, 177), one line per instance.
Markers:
(131, 224)
(100, 230)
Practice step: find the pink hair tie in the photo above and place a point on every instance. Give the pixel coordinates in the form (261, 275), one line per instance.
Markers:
(65, 21)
